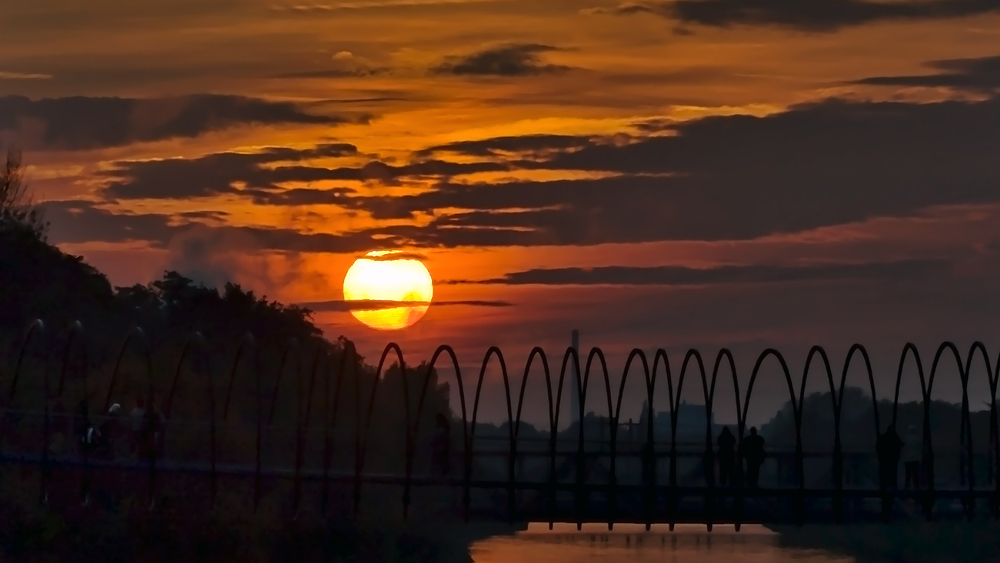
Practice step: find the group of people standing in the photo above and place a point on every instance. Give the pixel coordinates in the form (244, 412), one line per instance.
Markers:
(750, 457)
(890, 448)
(137, 437)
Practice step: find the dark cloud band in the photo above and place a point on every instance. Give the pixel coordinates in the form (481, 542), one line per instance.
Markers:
(506, 60)
(805, 15)
(79, 123)
(372, 305)
(976, 75)
(717, 178)
(679, 275)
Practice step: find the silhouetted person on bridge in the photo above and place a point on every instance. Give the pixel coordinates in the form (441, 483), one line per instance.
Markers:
(110, 433)
(149, 434)
(752, 450)
(441, 446)
(88, 434)
(912, 449)
(81, 422)
(888, 448)
(137, 416)
(727, 457)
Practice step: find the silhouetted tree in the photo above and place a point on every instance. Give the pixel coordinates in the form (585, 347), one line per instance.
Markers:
(17, 211)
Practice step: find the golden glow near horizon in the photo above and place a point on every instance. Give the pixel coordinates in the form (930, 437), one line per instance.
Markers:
(386, 279)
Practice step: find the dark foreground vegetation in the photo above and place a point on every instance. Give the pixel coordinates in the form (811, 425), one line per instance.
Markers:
(909, 542)
(174, 530)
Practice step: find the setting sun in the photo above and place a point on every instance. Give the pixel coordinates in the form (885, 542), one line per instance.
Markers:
(380, 277)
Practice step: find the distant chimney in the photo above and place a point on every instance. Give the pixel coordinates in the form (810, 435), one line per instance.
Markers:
(574, 388)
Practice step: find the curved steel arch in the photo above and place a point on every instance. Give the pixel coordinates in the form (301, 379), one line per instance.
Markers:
(797, 415)
(966, 422)
(799, 462)
(753, 378)
(649, 505)
(675, 413)
(302, 420)
(871, 381)
(536, 351)
(312, 382)
(197, 340)
(582, 386)
(839, 406)
(661, 354)
(135, 331)
(247, 340)
(710, 405)
(992, 380)
(289, 345)
(909, 348)
(331, 413)
(361, 446)
(286, 350)
(466, 442)
(75, 329)
(36, 326)
(726, 353)
(613, 476)
(572, 354)
(259, 397)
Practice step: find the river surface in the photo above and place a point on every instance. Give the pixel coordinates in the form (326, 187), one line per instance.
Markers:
(633, 544)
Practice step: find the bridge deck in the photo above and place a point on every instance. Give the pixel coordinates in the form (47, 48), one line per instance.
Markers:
(313, 474)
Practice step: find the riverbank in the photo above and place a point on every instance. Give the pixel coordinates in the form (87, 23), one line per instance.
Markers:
(129, 531)
(916, 541)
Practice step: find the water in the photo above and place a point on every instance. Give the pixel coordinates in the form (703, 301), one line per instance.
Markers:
(633, 544)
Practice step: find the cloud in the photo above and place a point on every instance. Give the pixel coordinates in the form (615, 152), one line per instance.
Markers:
(301, 196)
(214, 174)
(621, 10)
(718, 178)
(390, 256)
(369, 305)
(77, 221)
(679, 275)
(806, 15)
(301, 8)
(80, 123)
(23, 76)
(977, 75)
(731, 178)
(497, 146)
(343, 64)
(257, 175)
(522, 59)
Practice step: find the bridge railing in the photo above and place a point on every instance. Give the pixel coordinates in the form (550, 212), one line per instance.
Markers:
(652, 468)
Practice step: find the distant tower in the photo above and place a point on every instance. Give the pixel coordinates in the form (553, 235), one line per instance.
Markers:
(574, 388)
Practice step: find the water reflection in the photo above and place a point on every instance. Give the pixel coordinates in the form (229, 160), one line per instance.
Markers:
(632, 543)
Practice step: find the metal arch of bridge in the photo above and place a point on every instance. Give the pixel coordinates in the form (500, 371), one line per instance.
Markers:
(637, 356)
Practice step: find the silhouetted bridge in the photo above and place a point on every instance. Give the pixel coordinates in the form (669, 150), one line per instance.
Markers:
(554, 479)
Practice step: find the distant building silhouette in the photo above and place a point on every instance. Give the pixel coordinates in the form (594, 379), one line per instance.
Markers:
(690, 423)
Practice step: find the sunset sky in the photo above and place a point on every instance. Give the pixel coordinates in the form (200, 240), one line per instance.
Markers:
(680, 173)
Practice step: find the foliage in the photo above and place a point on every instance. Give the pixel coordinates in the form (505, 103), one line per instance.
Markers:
(131, 530)
(909, 541)
(17, 212)
(858, 431)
